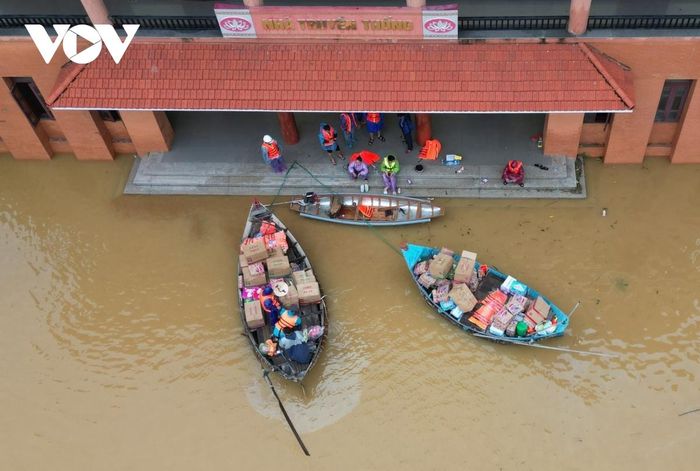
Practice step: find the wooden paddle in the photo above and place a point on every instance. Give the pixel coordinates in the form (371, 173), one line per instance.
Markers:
(266, 375)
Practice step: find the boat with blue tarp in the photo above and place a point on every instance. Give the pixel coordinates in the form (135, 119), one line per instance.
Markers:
(480, 299)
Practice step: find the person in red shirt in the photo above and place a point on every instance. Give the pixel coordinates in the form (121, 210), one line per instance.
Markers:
(375, 124)
(272, 154)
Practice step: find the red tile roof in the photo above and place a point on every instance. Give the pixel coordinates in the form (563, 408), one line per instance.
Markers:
(416, 77)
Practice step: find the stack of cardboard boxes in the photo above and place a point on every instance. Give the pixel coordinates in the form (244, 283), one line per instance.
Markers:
(260, 267)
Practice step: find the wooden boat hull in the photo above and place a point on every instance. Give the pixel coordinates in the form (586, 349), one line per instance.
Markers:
(313, 314)
(415, 253)
(385, 210)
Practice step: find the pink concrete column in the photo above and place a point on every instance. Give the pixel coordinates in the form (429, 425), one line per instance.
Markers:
(578, 16)
(686, 149)
(288, 127)
(86, 133)
(23, 140)
(150, 131)
(562, 133)
(97, 11)
(424, 128)
(253, 3)
(629, 132)
(415, 3)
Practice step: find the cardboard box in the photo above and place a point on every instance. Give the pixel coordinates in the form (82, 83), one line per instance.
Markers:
(291, 299)
(308, 292)
(253, 315)
(278, 266)
(447, 251)
(541, 306)
(303, 276)
(463, 297)
(253, 278)
(254, 250)
(440, 266)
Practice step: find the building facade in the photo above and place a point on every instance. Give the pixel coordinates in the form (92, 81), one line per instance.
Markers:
(614, 79)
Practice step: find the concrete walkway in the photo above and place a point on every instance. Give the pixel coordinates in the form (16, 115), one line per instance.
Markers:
(218, 153)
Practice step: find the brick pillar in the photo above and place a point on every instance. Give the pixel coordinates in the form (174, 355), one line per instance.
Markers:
(578, 16)
(150, 131)
(686, 149)
(562, 133)
(288, 127)
(629, 132)
(415, 3)
(424, 128)
(86, 133)
(97, 11)
(23, 141)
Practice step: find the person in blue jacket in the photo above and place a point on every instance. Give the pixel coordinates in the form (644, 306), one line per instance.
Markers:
(406, 125)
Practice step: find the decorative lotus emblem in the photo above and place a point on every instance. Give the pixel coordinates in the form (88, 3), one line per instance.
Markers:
(440, 25)
(235, 24)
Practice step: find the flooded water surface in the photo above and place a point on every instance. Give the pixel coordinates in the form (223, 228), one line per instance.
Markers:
(120, 343)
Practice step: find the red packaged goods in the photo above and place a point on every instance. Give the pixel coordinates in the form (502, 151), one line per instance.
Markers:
(440, 266)
(440, 293)
(426, 280)
(420, 268)
(253, 315)
(463, 298)
(254, 250)
(278, 239)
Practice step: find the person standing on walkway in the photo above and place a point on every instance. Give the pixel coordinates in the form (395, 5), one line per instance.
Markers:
(406, 126)
(272, 154)
(390, 167)
(348, 124)
(375, 123)
(329, 141)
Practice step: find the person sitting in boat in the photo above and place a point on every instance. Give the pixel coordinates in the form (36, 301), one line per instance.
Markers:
(294, 346)
(514, 172)
(286, 319)
(269, 348)
(270, 304)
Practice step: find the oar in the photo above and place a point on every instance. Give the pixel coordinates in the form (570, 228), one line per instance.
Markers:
(560, 349)
(266, 375)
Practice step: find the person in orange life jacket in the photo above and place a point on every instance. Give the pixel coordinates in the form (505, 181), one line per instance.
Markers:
(294, 347)
(287, 319)
(270, 304)
(328, 139)
(375, 123)
(514, 173)
(348, 124)
(269, 348)
(272, 154)
(406, 126)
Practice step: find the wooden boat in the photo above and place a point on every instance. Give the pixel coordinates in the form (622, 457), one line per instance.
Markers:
(364, 209)
(491, 280)
(311, 314)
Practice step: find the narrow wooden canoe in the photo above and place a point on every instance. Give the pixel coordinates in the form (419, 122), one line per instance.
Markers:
(354, 209)
(311, 314)
(492, 280)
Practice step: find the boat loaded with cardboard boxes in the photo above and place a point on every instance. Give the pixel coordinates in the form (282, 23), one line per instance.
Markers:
(480, 299)
(270, 257)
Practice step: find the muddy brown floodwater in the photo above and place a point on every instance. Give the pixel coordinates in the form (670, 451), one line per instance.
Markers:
(120, 343)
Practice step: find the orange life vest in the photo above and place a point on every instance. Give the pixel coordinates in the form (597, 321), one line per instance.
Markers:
(366, 211)
(273, 150)
(349, 122)
(373, 117)
(515, 166)
(430, 150)
(286, 320)
(328, 138)
(271, 297)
